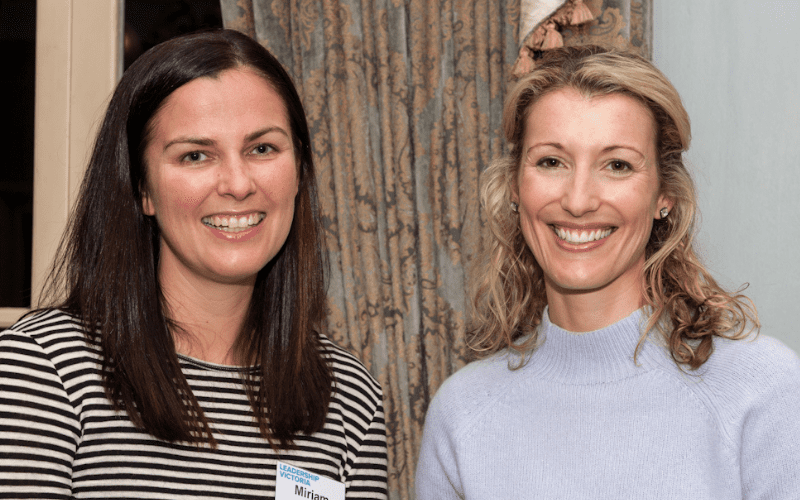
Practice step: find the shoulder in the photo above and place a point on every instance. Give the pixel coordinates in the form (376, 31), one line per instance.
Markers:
(757, 360)
(740, 367)
(479, 379)
(50, 342)
(351, 376)
(47, 355)
(754, 387)
(745, 377)
(467, 394)
(46, 320)
(740, 371)
(53, 331)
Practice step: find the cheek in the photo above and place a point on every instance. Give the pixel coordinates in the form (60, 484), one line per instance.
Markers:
(176, 196)
(536, 195)
(534, 232)
(536, 237)
(281, 188)
(188, 202)
(187, 189)
(639, 215)
(285, 189)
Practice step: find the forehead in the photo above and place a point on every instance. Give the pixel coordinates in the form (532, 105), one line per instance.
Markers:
(231, 101)
(569, 114)
(242, 82)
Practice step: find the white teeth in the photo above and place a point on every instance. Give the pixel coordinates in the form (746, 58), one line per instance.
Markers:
(577, 237)
(234, 224)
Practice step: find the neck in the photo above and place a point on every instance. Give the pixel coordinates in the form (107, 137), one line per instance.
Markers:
(599, 357)
(589, 310)
(209, 315)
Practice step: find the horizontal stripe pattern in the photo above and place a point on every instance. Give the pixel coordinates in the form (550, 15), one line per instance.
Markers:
(60, 438)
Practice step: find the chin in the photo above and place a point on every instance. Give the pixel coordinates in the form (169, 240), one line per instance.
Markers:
(235, 275)
(576, 281)
(575, 287)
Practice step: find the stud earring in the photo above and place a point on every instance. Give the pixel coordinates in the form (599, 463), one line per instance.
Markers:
(664, 212)
(514, 207)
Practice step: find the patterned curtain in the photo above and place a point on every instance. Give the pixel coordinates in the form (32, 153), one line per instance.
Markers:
(404, 100)
(548, 24)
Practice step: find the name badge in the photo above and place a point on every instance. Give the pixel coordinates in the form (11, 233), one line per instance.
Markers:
(293, 483)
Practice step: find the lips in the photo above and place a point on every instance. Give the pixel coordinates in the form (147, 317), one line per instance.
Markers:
(234, 223)
(579, 236)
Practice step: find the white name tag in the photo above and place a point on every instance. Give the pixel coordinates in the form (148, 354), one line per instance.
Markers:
(293, 483)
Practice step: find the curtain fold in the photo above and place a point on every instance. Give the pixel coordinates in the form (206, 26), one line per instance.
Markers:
(548, 24)
(404, 101)
(625, 24)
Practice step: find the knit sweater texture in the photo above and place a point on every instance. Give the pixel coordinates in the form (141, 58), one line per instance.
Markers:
(582, 419)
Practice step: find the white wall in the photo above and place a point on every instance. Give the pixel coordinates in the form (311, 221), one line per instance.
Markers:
(736, 64)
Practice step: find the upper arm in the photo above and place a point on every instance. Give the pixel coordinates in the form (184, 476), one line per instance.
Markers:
(39, 430)
(770, 451)
(437, 475)
(367, 477)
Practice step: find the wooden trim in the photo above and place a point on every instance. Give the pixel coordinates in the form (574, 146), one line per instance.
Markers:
(78, 63)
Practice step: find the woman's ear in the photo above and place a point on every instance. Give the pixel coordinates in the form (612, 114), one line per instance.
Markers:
(148, 208)
(512, 188)
(663, 206)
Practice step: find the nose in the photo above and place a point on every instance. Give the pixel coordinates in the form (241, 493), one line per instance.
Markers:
(235, 179)
(581, 193)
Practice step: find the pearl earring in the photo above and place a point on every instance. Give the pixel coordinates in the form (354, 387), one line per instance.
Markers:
(664, 212)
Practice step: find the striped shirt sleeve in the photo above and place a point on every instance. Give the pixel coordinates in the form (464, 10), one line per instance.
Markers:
(39, 428)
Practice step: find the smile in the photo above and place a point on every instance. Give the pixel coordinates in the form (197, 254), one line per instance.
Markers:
(233, 224)
(577, 237)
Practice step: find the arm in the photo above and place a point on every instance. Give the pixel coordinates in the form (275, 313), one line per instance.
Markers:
(367, 477)
(771, 441)
(38, 427)
(437, 476)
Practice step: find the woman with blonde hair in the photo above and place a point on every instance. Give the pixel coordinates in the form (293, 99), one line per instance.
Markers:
(612, 364)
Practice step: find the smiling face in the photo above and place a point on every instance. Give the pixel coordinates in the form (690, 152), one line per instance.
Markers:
(588, 192)
(221, 178)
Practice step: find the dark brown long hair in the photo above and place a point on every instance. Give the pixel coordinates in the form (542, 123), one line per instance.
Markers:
(107, 261)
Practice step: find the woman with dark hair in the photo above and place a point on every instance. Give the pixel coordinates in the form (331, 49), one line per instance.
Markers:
(182, 355)
(612, 363)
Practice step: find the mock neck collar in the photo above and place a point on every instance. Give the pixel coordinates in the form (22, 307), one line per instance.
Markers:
(598, 356)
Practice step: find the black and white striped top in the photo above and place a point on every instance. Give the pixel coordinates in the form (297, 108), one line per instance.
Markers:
(59, 437)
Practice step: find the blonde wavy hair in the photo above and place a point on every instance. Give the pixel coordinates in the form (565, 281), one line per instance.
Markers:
(688, 307)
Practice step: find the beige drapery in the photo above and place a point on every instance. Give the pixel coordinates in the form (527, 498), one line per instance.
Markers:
(404, 101)
(548, 24)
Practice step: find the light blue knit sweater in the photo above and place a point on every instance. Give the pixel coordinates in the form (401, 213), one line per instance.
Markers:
(581, 420)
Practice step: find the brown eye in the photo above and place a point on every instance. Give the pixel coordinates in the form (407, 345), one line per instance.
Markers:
(262, 149)
(195, 156)
(619, 166)
(549, 163)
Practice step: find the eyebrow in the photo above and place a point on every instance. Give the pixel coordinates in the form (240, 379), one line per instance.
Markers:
(204, 141)
(258, 133)
(606, 149)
